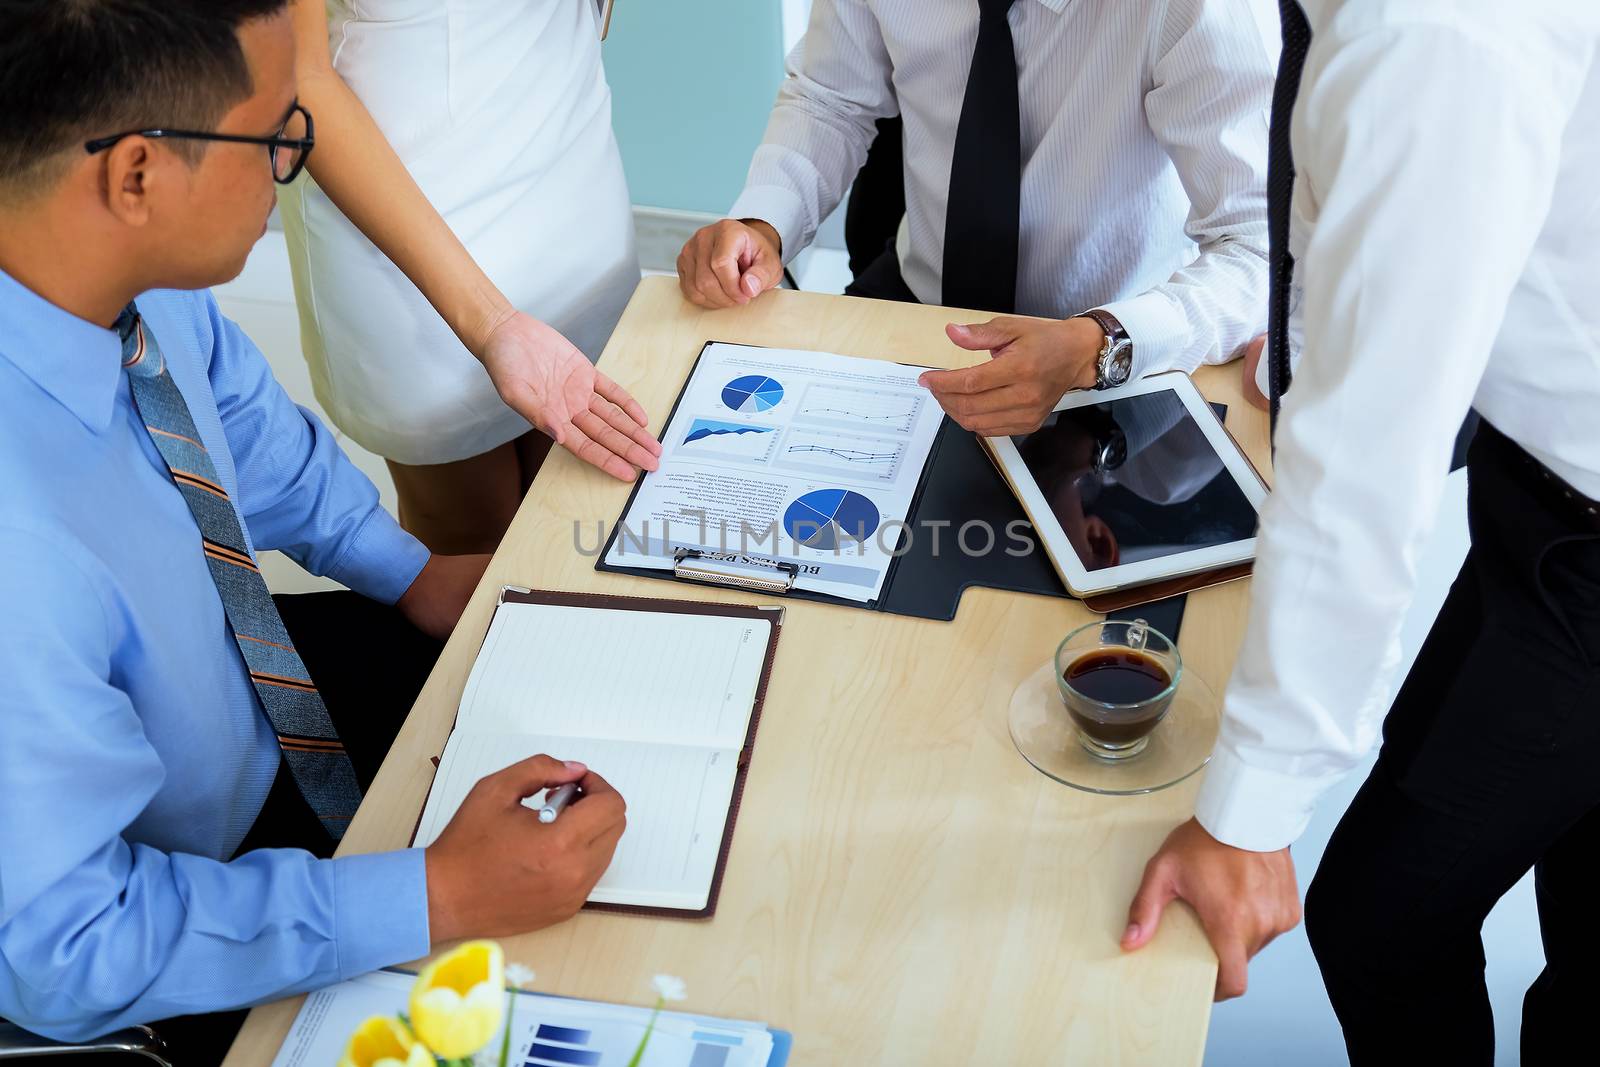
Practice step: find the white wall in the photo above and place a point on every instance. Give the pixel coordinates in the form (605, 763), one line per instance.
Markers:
(795, 14)
(261, 301)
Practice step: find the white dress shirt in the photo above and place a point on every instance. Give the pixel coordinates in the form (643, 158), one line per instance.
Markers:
(1447, 237)
(1144, 141)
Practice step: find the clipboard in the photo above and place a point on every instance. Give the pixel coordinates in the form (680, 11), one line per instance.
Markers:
(766, 613)
(959, 484)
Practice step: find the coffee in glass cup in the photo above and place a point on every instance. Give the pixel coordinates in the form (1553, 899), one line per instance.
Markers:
(1117, 679)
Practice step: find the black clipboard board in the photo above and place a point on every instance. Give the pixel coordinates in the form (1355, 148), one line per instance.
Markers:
(959, 484)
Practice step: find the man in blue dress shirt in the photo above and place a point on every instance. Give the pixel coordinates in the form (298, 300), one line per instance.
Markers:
(155, 739)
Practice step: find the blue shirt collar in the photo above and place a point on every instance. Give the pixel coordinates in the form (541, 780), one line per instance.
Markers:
(77, 362)
(1055, 5)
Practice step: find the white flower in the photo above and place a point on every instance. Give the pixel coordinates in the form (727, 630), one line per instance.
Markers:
(669, 987)
(519, 975)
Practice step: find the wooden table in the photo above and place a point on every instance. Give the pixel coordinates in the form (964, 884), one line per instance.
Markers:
(903, 887)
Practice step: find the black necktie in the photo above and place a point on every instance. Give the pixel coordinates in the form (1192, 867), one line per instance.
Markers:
(982, 219)
(1280, 192)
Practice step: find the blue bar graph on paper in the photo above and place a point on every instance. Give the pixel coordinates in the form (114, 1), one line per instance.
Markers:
(716, 1039)
(709, 1056)
(541, 1055)
(564, 1034)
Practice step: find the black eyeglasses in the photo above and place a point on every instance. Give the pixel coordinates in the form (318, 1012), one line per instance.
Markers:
(288, 151)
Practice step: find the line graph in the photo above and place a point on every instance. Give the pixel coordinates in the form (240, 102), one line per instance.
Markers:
(877, 409)
(847, 456)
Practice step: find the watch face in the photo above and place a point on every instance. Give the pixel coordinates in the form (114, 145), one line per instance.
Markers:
(1113, 452)
(1117, 364)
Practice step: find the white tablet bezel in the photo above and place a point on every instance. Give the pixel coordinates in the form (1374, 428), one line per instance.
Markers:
(1082, 582)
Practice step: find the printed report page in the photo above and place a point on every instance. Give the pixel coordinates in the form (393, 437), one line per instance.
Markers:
(806, 458)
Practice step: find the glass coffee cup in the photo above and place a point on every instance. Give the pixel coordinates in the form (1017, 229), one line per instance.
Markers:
(1117, 679)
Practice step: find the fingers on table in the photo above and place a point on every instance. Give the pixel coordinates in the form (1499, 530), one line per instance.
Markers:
(725, 271)
(696, 277)
(614, 430)
(709, 271)
(619, 396)
(590, 451)
(1157, 889)
(981, 336)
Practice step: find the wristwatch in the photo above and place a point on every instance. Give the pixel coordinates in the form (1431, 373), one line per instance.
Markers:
(1115, 363)
(1110, 443)
(1111, 451)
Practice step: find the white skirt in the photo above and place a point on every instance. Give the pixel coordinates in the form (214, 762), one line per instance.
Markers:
(501, 112)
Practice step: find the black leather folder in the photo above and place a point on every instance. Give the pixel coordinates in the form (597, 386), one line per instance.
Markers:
(960, 484)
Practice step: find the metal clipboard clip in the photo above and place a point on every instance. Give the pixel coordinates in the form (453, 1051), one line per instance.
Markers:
(734, 571)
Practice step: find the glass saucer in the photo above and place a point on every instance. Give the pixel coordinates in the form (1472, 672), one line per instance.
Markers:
(1178, 747)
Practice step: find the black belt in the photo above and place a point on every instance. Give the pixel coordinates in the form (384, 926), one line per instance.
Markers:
(1561, 495)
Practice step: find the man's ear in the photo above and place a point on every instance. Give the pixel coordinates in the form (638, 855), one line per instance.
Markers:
(129, 173)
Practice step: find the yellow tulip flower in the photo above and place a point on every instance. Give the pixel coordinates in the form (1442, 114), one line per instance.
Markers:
(458, 1002)
(383, 1041)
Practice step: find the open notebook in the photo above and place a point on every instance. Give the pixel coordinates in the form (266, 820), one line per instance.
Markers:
(659, 697)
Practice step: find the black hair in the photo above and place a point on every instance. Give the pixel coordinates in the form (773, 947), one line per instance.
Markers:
(74, 70)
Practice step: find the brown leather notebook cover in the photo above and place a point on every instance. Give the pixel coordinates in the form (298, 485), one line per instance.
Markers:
(774, 615)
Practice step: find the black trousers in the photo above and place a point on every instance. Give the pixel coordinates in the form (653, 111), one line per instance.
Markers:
(369, 664)
(1490, 765)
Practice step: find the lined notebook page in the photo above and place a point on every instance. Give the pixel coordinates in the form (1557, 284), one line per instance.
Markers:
(619, 675)
(678, 798)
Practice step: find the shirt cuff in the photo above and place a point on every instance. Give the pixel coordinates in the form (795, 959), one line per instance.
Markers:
(380, 906)
(1253, 808)
(381, 561)
(780, 208)
(1158, 328)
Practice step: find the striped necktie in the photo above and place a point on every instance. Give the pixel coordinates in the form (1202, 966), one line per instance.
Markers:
(1280, 196)
(310, 744)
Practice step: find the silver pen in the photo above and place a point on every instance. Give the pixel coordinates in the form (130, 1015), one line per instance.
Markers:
(556, 800)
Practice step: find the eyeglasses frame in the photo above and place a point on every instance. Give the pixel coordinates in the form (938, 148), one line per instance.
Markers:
(303, 145)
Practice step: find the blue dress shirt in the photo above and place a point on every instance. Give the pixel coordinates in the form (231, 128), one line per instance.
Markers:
(133, 754)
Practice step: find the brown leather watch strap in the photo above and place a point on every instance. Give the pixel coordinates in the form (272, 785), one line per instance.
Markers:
(1109, 323)
(1116, 338)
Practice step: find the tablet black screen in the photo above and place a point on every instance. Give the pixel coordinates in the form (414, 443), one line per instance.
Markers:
(1135, 479)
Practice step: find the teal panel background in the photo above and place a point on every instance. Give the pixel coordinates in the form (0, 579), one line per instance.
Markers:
(692, 84)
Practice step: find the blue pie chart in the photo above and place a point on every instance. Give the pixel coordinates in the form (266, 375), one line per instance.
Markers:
(827, 519)
(753, 394)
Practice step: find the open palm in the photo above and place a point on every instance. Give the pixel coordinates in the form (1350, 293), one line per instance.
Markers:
(543, 378)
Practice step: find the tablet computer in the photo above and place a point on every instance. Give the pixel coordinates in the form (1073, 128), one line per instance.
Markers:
(1134, 485)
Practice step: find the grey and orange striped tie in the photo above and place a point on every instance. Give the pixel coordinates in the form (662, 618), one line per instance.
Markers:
(310, 744)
